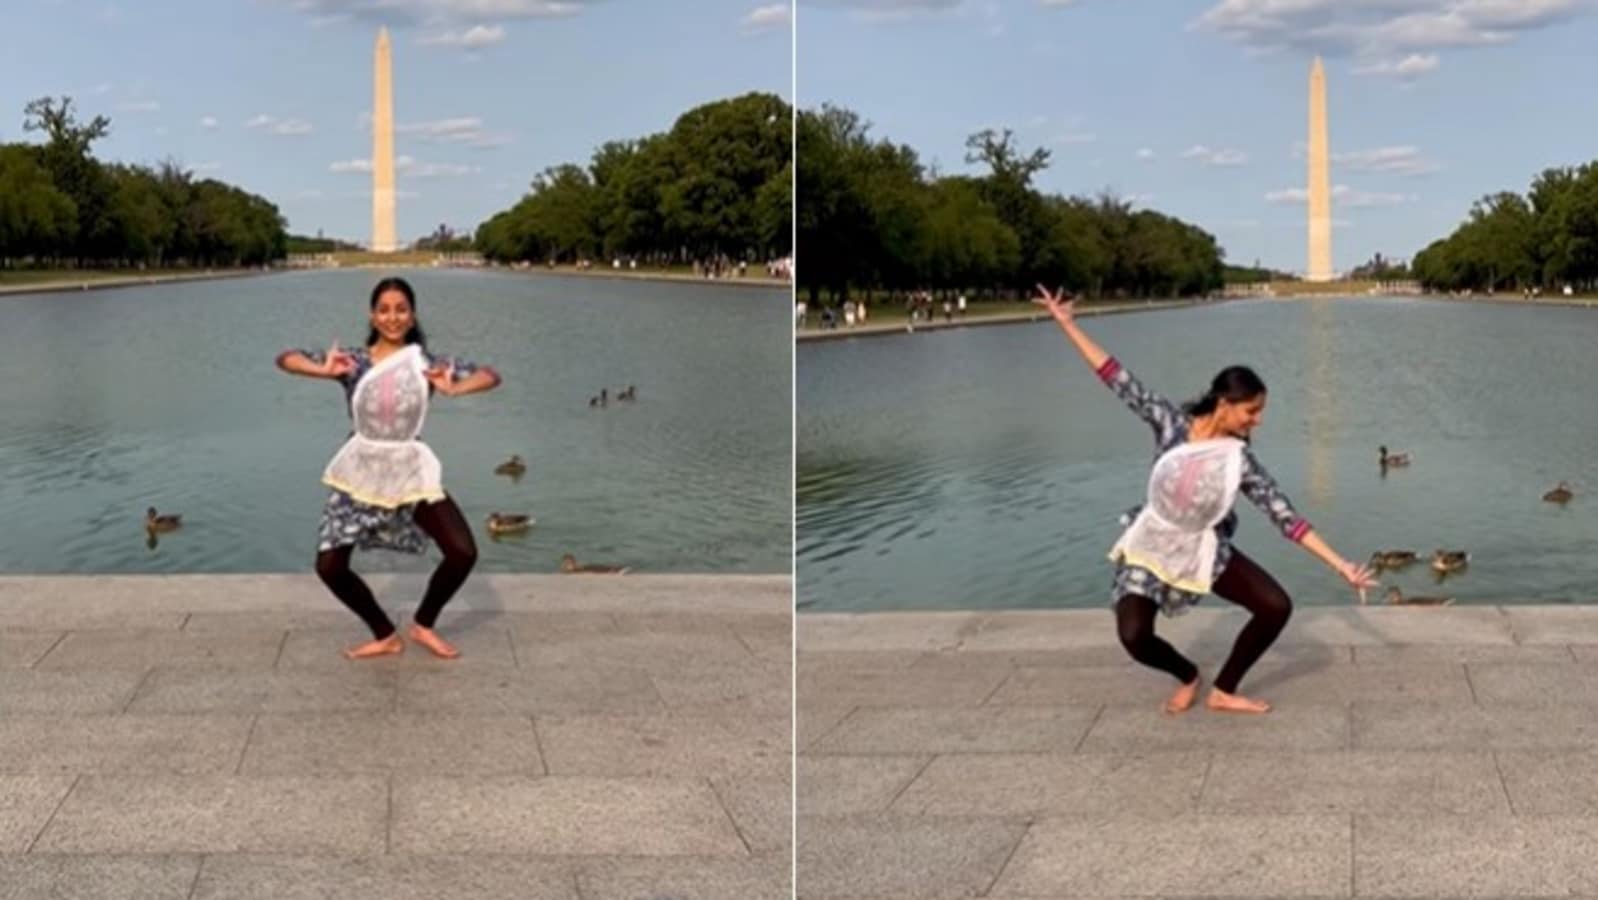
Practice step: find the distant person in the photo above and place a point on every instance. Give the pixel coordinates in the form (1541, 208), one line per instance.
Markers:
(848, 313)
(386, 483)
(799, 313)
(962, 306)
(948, 310)
(1178, 547)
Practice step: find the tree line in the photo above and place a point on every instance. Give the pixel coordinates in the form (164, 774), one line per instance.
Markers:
(717, 185)
(60, 206)
(871, 217)
(1546, 239)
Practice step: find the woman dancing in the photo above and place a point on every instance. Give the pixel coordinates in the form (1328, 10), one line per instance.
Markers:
(1178, 545)
(387, 490)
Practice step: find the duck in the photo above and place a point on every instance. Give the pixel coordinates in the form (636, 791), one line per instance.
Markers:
(630, 392)
(1444, 561)
(1394, 460)
(157, 524)
(1560, 494)
(1392, 559)
(508, 523)
(568, 565)
(514, 467)
(1395, 597)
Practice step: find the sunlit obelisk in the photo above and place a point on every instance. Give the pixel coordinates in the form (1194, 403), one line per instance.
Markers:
(1320, 180)
(382, 148)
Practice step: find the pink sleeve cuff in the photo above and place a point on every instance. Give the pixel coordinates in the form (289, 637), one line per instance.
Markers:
(1109, 370)
(1299, 529)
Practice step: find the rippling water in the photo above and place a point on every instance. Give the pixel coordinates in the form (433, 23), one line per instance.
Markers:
(986, 468)
(167, 397)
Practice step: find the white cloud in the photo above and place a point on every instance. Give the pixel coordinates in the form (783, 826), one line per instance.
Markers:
(1398, 160)
(1389, 160)
(139, 106)
(433, 13)
(1342, 195)
(406, 167)
(206, 167)
(762, 19)
(890, 10)
(1410, 67)
(1221, 157)
(473, 38)
(1374, 29)
(1076, 138)
(209, 123)
(466, 131)
(1145, 153)
(282, 127)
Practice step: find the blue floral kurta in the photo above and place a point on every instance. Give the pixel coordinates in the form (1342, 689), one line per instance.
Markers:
(1171, 426)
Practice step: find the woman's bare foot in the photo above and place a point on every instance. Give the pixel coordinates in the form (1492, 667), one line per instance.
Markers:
(429, 638)
(1221, 701)
(1182, 700)
(389, 646)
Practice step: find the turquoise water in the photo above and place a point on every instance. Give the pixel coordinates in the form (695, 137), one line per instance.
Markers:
(986, 467)
(167, 396)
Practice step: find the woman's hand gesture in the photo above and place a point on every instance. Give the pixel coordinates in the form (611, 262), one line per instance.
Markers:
(1359, 576)
(338, 363)
(1061, 305)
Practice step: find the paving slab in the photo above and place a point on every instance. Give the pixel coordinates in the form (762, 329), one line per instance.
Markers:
(1246, 856)
(220, 814)
(392, 743)
(51, 876)
(666, 745)
(264, 877)
(154, 744)
(1473, 856)
(26, 804)
(994, 729)
(562, 816)
(1154, 785)
(853, 785)
(912, 856)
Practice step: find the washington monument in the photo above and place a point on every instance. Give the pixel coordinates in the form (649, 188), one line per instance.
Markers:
(1320, 182)
(382, 148)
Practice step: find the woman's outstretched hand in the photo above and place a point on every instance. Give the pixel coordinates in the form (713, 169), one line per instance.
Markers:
(338, 363)
(442, 378)
(1061, 305)
(1359, 576)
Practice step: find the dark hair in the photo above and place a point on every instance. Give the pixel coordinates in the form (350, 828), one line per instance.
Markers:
(1234, 384)
(415, 335)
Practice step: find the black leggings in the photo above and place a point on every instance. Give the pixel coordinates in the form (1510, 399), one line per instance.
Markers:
(442, 521)
(1243, 582)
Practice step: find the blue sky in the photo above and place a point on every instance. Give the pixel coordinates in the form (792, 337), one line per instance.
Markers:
(271, 94)
(1198, 108)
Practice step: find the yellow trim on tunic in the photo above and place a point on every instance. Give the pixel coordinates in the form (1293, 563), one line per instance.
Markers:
(384, 502)
(1192, 587)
